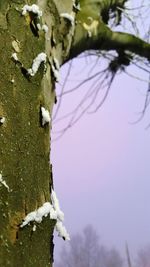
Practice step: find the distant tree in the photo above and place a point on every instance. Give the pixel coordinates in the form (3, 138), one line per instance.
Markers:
(85, 250)
(129, 263)
(113, 259)
(143, 258)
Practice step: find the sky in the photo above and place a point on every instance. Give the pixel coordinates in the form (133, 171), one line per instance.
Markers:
(101, 164)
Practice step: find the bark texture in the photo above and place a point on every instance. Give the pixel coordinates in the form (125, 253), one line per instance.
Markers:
(24, 142)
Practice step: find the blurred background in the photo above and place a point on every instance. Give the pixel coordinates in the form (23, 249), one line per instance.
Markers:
(101, 164)
(100, 154)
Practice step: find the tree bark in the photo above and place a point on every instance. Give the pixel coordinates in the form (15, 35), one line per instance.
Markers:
(24, 141)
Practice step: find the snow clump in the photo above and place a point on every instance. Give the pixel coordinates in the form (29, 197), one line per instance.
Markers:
(55, 213)
(36, 63)
(45, 116)
(34, 9)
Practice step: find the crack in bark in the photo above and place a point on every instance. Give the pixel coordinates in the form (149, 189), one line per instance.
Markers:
(7, 13)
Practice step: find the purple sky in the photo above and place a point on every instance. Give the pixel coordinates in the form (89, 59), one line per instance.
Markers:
(101, 165)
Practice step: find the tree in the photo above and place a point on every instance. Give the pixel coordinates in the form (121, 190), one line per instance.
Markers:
(35, 40)
(143, 258)
(86, 251)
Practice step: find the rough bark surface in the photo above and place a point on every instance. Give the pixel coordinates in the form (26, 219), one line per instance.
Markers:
(24, 142)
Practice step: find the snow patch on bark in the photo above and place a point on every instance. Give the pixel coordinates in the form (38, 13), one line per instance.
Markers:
(69, 17)
(36, 63)
(45, 116)
(2, 120)
(33, 8)
(55, 213)
(3, 182)
(15, 57)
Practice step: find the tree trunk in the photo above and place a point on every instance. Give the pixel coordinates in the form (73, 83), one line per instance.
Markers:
(24, 141)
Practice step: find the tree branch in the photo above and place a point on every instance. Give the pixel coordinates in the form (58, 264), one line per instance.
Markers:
(93, 33)
(103, 38)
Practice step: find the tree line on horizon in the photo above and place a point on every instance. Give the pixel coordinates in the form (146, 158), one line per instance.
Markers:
(86, 250)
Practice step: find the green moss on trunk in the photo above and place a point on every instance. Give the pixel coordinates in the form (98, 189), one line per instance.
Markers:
(24, 144)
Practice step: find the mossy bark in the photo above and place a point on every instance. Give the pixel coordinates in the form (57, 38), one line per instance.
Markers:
(24, 143)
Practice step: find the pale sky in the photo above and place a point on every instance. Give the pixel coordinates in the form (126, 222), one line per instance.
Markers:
(101, 166)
